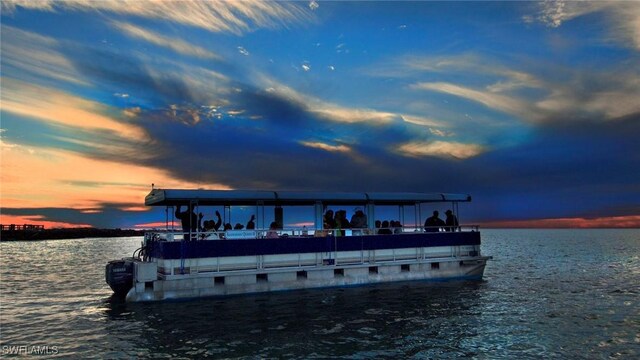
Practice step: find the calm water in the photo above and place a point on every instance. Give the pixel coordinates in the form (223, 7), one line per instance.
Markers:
(550, 293)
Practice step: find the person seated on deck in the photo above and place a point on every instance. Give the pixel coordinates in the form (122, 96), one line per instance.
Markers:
(358, 221)
(272, 233)
(378, 224)
(451, 221)
(341, 222)
(396, 226)
(329, 222)
(189, 220)
(434, 223)
(238, 226)
(211, 225)
(227, 227)
(385, 230)
(251, 225)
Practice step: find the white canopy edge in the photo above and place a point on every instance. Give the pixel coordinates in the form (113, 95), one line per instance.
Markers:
(170, 197)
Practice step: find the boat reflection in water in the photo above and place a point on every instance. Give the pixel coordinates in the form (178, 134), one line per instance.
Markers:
(174, 264)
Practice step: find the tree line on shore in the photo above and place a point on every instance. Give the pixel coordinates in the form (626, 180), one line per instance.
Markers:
(66, 233)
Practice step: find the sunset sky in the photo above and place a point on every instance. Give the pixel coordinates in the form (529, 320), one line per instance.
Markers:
(533, 108)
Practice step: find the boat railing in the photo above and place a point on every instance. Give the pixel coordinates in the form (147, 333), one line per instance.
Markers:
(177, 235)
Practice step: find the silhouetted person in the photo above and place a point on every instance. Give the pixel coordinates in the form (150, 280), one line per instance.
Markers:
(189, 220)
(329, 222)
(272, 233)
(344, 223)
(251, 225)
(359, 220)
(451, 221)
(238, 226)
(397, 226)
(385, 230)
(341, 222)
(434, 223)
(213, 225)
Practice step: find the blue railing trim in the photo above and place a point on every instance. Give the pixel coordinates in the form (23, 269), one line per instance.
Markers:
(299, 245)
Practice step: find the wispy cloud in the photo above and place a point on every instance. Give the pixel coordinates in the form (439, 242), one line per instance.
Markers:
(624, 17)
(235, 17)
(175, 44)
(36, 56)
(243, 51)
(327, 110)
(565, 102)
(440, 133)
(422, 121)
(611, 103)
(513, 80)
(554, 13)
(440, 149)
(326, 147)
(473, 65)
(489, 99)
(605, 93)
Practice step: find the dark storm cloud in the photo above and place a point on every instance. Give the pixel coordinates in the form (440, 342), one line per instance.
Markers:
(122, 71)
(267, 152)
(588, 166)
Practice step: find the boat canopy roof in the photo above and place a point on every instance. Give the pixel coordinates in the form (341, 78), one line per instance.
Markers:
(171, 197)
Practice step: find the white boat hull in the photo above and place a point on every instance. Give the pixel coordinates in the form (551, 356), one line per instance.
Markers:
(294, 278)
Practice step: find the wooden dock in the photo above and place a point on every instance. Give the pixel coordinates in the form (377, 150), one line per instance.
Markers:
(20, 231)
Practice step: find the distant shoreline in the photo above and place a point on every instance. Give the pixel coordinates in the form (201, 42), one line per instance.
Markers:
(66, 233)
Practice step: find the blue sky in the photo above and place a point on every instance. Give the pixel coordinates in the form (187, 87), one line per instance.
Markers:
(531, 107)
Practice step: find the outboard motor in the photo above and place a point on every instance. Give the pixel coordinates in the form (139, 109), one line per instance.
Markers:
(119, 276)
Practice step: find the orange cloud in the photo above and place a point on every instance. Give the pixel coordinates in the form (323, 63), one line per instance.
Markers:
(51, 105)
(153, 225)
(37, 220)
(35, 177)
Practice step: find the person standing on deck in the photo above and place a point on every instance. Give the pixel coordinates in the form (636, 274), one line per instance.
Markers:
(451, 221)
(434, 223)
(188, 219)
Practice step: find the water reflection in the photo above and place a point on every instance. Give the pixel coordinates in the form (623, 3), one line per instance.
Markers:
(396, 319)
(547, 294)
